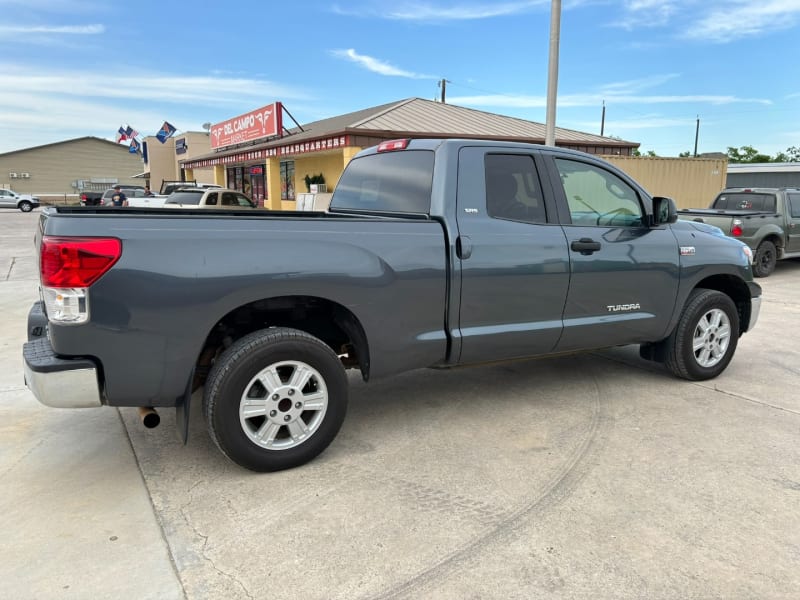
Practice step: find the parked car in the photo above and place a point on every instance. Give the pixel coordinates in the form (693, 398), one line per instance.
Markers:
(766, 219)
(208, 198)
(130, 192)
(434, 253)
(24, 202)
(169, 186)
(91, 198)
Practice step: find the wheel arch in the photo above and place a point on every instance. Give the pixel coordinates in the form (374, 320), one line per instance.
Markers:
(736, 289)
(334, 324)
(777, 240)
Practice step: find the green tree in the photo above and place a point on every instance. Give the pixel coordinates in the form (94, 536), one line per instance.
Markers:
(792, 154)
(747, 154)
(686, 154)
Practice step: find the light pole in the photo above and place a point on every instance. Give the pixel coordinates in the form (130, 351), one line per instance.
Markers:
(552, 73)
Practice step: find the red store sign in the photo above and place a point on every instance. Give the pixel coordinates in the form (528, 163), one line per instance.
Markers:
(262, 123)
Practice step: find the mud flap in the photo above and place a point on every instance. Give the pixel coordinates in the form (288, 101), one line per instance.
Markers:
(182, 412)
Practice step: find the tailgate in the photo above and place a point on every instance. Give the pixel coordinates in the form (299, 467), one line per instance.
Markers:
(712, 217)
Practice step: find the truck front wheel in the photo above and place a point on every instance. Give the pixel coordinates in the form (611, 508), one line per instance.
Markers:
(275, 399)
(765, 259)
(703, 342)
(25, 206)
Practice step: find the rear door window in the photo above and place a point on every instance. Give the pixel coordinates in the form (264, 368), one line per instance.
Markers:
(512, 188)
(794, 203)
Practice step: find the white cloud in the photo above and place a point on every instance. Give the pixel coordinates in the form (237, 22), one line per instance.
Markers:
(647, 13)
(150, 86)
(633, 85)
(596, 99)
(431, 12)
(378, 66)
(67, 29)
(713, 20)
(742, 18)
(643, 122)
(41, 106)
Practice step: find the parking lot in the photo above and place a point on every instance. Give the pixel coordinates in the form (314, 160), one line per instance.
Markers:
(590, 476)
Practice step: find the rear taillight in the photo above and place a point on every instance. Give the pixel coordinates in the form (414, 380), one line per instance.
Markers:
(69, 266)
(77, 262)
(736, 230)
(393, 145)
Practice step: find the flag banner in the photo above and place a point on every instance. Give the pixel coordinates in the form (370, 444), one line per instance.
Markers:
(144, 152)
(165, 132)
(121, 135)
(134, 147)
(131, 132)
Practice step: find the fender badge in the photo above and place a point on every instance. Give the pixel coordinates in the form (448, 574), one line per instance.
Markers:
(471, 211)
(688, 251)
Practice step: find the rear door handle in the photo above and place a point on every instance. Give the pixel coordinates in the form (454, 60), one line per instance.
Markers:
(463, 247)
(585, 246)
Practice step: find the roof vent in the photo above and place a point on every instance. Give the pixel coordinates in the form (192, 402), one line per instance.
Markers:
(13, 175)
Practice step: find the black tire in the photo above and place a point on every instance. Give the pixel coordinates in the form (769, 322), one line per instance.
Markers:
(765, 259)
(718, 313)
(25, 206)
(265, 429)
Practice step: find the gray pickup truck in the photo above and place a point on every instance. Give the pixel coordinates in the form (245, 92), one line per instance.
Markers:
(766, 219)
(435, 253)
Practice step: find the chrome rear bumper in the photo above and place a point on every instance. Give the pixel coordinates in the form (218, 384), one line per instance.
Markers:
(60, 382)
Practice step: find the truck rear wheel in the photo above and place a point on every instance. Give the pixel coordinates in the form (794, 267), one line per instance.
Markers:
(703, 342)
(275, 399)
(765, 259)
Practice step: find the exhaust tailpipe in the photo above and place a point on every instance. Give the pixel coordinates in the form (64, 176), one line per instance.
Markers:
(149, 416)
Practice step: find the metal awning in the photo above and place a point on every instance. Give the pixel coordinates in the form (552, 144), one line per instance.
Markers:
(144, 175)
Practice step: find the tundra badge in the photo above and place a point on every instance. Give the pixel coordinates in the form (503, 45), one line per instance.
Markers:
(622, 307)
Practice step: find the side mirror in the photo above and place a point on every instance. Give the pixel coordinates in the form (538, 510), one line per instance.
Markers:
(664, 211)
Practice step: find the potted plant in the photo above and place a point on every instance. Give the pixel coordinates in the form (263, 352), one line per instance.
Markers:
(318, 181)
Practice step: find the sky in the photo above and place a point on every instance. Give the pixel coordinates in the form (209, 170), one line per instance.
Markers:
(74, 68)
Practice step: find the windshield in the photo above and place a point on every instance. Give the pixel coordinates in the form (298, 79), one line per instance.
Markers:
(745, 201)
(387, 182)
(185, 197)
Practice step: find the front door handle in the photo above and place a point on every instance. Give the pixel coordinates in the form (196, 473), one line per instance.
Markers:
(585, 246)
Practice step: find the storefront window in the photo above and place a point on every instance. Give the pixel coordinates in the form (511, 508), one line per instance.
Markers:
(236, 178)
(287, 180)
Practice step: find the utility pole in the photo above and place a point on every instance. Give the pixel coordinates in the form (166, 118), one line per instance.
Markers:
(552, 73)
(696, 135)
(603, 119)
(443, 85)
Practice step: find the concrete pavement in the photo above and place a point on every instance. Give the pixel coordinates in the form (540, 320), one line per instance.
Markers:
(595, 476)
(75, 513)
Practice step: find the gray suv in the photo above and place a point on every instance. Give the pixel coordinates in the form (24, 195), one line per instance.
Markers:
(24, 202)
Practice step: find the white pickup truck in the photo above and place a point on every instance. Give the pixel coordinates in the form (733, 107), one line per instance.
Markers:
(208, 198)
(159, 200)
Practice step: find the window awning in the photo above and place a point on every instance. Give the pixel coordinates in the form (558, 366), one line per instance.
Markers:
(141, 175)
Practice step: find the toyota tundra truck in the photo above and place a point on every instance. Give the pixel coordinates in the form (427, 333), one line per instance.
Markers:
(434, 253)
